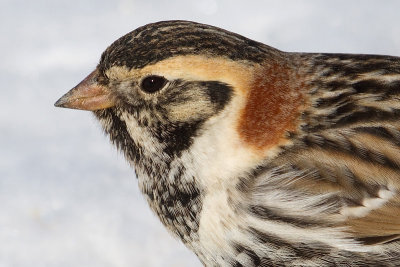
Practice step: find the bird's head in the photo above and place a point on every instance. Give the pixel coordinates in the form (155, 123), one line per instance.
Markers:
(192, 107)
(165, 83)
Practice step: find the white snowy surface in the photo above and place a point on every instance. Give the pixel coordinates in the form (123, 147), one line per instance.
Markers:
(67, 198)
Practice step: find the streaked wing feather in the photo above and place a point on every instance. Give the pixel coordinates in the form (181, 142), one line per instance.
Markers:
(350, 142)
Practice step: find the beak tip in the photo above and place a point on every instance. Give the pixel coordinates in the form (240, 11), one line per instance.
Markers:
(87, 95)
(60, 103)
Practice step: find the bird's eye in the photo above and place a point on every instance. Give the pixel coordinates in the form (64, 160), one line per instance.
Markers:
(153, 83)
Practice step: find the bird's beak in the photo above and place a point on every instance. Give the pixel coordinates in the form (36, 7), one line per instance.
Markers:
(87, 95)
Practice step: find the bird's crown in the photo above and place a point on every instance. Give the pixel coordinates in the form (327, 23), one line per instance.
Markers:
(158, 41)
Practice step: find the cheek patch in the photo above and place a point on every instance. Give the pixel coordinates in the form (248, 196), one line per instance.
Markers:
(193, 101)
(189, 111)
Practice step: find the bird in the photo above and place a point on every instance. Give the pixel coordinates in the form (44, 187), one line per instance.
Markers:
(250, 155)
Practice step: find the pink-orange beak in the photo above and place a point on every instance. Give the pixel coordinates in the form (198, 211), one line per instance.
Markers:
(87, 95)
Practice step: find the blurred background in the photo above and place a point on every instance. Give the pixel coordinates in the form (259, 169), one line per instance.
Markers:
(67, 198)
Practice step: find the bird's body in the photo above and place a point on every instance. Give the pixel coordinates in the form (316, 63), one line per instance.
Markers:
(253, 156)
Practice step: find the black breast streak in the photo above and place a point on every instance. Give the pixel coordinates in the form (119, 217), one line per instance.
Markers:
(180, 208)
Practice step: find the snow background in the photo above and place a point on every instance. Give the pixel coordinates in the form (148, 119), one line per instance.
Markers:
(67, 198)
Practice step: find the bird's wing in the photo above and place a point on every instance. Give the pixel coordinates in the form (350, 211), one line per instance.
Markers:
(349, 147)
(361, 169)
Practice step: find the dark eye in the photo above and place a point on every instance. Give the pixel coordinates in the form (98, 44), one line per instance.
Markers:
(153, 83)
